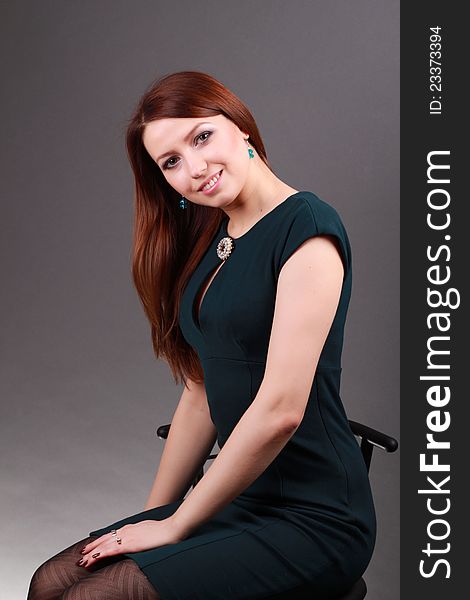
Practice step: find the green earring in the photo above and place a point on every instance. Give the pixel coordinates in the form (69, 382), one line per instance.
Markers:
(250, 152)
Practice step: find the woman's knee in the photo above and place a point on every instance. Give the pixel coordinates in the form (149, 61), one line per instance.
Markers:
(57, 573)
(46, 583)
(122, 580)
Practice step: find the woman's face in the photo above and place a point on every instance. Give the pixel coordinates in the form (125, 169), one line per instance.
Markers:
(191, 151)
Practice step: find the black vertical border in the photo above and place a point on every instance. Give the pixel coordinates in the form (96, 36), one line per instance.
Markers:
(420, 134)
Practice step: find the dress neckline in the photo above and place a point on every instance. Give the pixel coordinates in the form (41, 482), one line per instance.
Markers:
(273, 210)
(212, 274)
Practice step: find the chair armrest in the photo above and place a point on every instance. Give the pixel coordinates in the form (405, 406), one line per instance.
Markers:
(163, 431)
(370, 438)
(377, 438)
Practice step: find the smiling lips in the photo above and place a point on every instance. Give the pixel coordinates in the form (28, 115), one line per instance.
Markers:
(207, 185)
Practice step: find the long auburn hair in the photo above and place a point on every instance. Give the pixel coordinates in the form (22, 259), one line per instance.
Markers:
(168, 242)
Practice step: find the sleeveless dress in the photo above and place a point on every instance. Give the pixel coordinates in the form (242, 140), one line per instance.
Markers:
(306, 527)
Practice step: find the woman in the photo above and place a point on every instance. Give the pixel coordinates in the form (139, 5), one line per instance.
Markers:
(246, 283)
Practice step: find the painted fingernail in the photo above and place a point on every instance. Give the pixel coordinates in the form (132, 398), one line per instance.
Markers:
(82, 551)
(95, 555)
(79, 562)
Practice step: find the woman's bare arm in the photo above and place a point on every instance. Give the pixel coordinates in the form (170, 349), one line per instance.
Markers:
(191, 438)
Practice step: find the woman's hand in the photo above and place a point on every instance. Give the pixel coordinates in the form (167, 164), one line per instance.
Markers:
(135, 537)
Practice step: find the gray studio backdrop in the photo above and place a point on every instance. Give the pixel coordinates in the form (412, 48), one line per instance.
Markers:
(81, 392)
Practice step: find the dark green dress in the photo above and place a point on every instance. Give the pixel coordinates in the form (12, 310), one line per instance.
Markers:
(307, 523)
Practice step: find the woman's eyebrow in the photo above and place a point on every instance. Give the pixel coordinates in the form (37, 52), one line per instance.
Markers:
(186, 138)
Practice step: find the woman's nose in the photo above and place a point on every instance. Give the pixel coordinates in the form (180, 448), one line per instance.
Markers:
(197, 168)
(197, 172)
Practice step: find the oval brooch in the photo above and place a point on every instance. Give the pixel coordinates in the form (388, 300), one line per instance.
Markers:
(225, 247)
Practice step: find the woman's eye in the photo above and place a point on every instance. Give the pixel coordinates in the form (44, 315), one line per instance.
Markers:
(167, 165)
(208, 133)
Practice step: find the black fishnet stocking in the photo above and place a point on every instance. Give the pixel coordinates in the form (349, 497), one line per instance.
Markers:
(113, 578)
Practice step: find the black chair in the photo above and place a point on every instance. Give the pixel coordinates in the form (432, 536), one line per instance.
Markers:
(368, 439)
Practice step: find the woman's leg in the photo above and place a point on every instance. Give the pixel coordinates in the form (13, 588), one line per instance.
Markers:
(58, 573)
(112, 578)
(122, 580)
